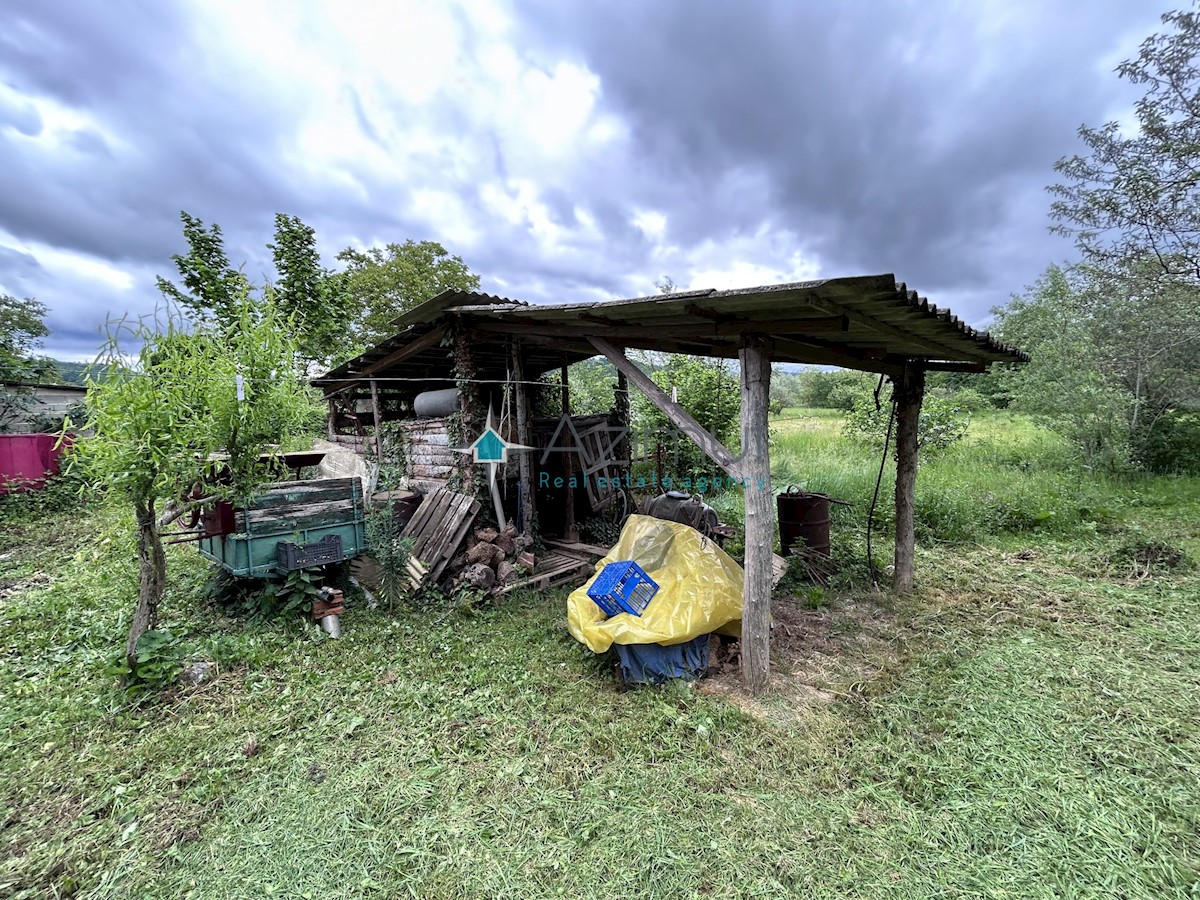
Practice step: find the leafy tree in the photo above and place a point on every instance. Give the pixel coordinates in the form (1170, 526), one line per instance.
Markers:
(1135, 196)
(708, 389)
(22, 326)
(1064, 385)
(309, 295)
(383, 282)
(212, 288)
(942, 424)
(159, 413)
(309, 300)
(1113, 365)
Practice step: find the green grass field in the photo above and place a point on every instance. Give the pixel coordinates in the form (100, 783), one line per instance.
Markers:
(1026, 724)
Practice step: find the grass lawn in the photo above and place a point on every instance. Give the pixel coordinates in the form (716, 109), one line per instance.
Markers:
(1026, 724)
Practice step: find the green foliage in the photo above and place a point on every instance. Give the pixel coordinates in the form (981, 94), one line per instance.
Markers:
(1171, 444)
(1071, 384)
(708, 389)
(391, 551)
(68, 372)
(159, 414)
(592, 383)
(1135, 196)
(160, 417)
(307, 299)
(212, 288)
(295, 592)
(63, 492)
(259, 600)
(22, 326)
(308, 295)
(160, 657)
(943, 422)
(383, 282)
(827, 389)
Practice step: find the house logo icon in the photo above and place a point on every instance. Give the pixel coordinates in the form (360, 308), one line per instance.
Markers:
(490, 448)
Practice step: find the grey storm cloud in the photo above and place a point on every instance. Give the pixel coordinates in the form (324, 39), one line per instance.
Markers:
(889, 137)
(905, 137)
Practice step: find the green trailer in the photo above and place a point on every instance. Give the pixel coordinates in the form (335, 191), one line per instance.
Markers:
(290, 525)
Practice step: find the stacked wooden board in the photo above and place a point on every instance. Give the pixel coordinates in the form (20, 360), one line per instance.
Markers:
(437, 529)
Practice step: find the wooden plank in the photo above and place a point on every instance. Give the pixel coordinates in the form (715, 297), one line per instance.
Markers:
(444, 519)
(436, 519)
(419, 517)
(378, 423)
(291, 492)
(451, 547)
(759, 517)
(611, 330)
(332, 509)
(678, 416)
(576, 546)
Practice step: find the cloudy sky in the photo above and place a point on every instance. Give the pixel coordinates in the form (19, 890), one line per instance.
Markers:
(567, 150)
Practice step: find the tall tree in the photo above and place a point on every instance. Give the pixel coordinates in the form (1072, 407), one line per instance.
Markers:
(22, 326)
(1136, 193)
(159, 412)
(309, 295)
(383, 282)
(212, 288)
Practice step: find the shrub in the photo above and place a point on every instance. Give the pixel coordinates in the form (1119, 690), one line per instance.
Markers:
(943, 423)
(1171, 445)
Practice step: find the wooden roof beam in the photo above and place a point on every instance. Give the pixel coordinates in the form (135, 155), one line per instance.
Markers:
(420, 345)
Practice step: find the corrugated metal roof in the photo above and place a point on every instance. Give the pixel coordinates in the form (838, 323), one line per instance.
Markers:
(866, 322)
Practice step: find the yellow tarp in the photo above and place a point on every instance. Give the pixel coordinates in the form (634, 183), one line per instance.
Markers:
(699, 589)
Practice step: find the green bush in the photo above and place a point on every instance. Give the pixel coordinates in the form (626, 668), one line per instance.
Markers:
(160, 657)
(1171, 445)
(943, 423)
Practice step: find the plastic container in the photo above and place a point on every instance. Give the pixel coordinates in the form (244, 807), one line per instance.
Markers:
(319, 553)
(622, 586)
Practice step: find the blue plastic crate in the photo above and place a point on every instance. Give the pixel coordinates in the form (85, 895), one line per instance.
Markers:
(622, 586)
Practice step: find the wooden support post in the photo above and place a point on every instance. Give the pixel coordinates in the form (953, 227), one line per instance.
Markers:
(570, 532)
(760, 515)
(524, 463)
(331, 419)
(910, 392)
(622, 451)
(378, 416)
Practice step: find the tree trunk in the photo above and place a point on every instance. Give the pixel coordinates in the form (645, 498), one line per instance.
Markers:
(909, 396)
(152, 578)
(755, 466)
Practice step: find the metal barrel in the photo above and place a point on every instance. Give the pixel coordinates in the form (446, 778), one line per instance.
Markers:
(803, 521)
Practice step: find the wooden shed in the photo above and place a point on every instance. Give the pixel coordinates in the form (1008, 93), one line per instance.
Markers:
(480, 343)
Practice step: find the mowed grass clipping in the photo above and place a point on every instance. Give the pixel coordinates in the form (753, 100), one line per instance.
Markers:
(1029, 726)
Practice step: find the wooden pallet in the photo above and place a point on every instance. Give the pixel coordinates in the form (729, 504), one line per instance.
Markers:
(577, 547)
(552, 570)
(437, 530)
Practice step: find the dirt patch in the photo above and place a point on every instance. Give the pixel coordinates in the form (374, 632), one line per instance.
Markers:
(817, 656)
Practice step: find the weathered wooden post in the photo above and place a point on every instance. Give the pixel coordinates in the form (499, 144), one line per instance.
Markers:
(910, 392)
(524, 464)
(377, 415)
(755, 465)
(622, 452)
(570, 532)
